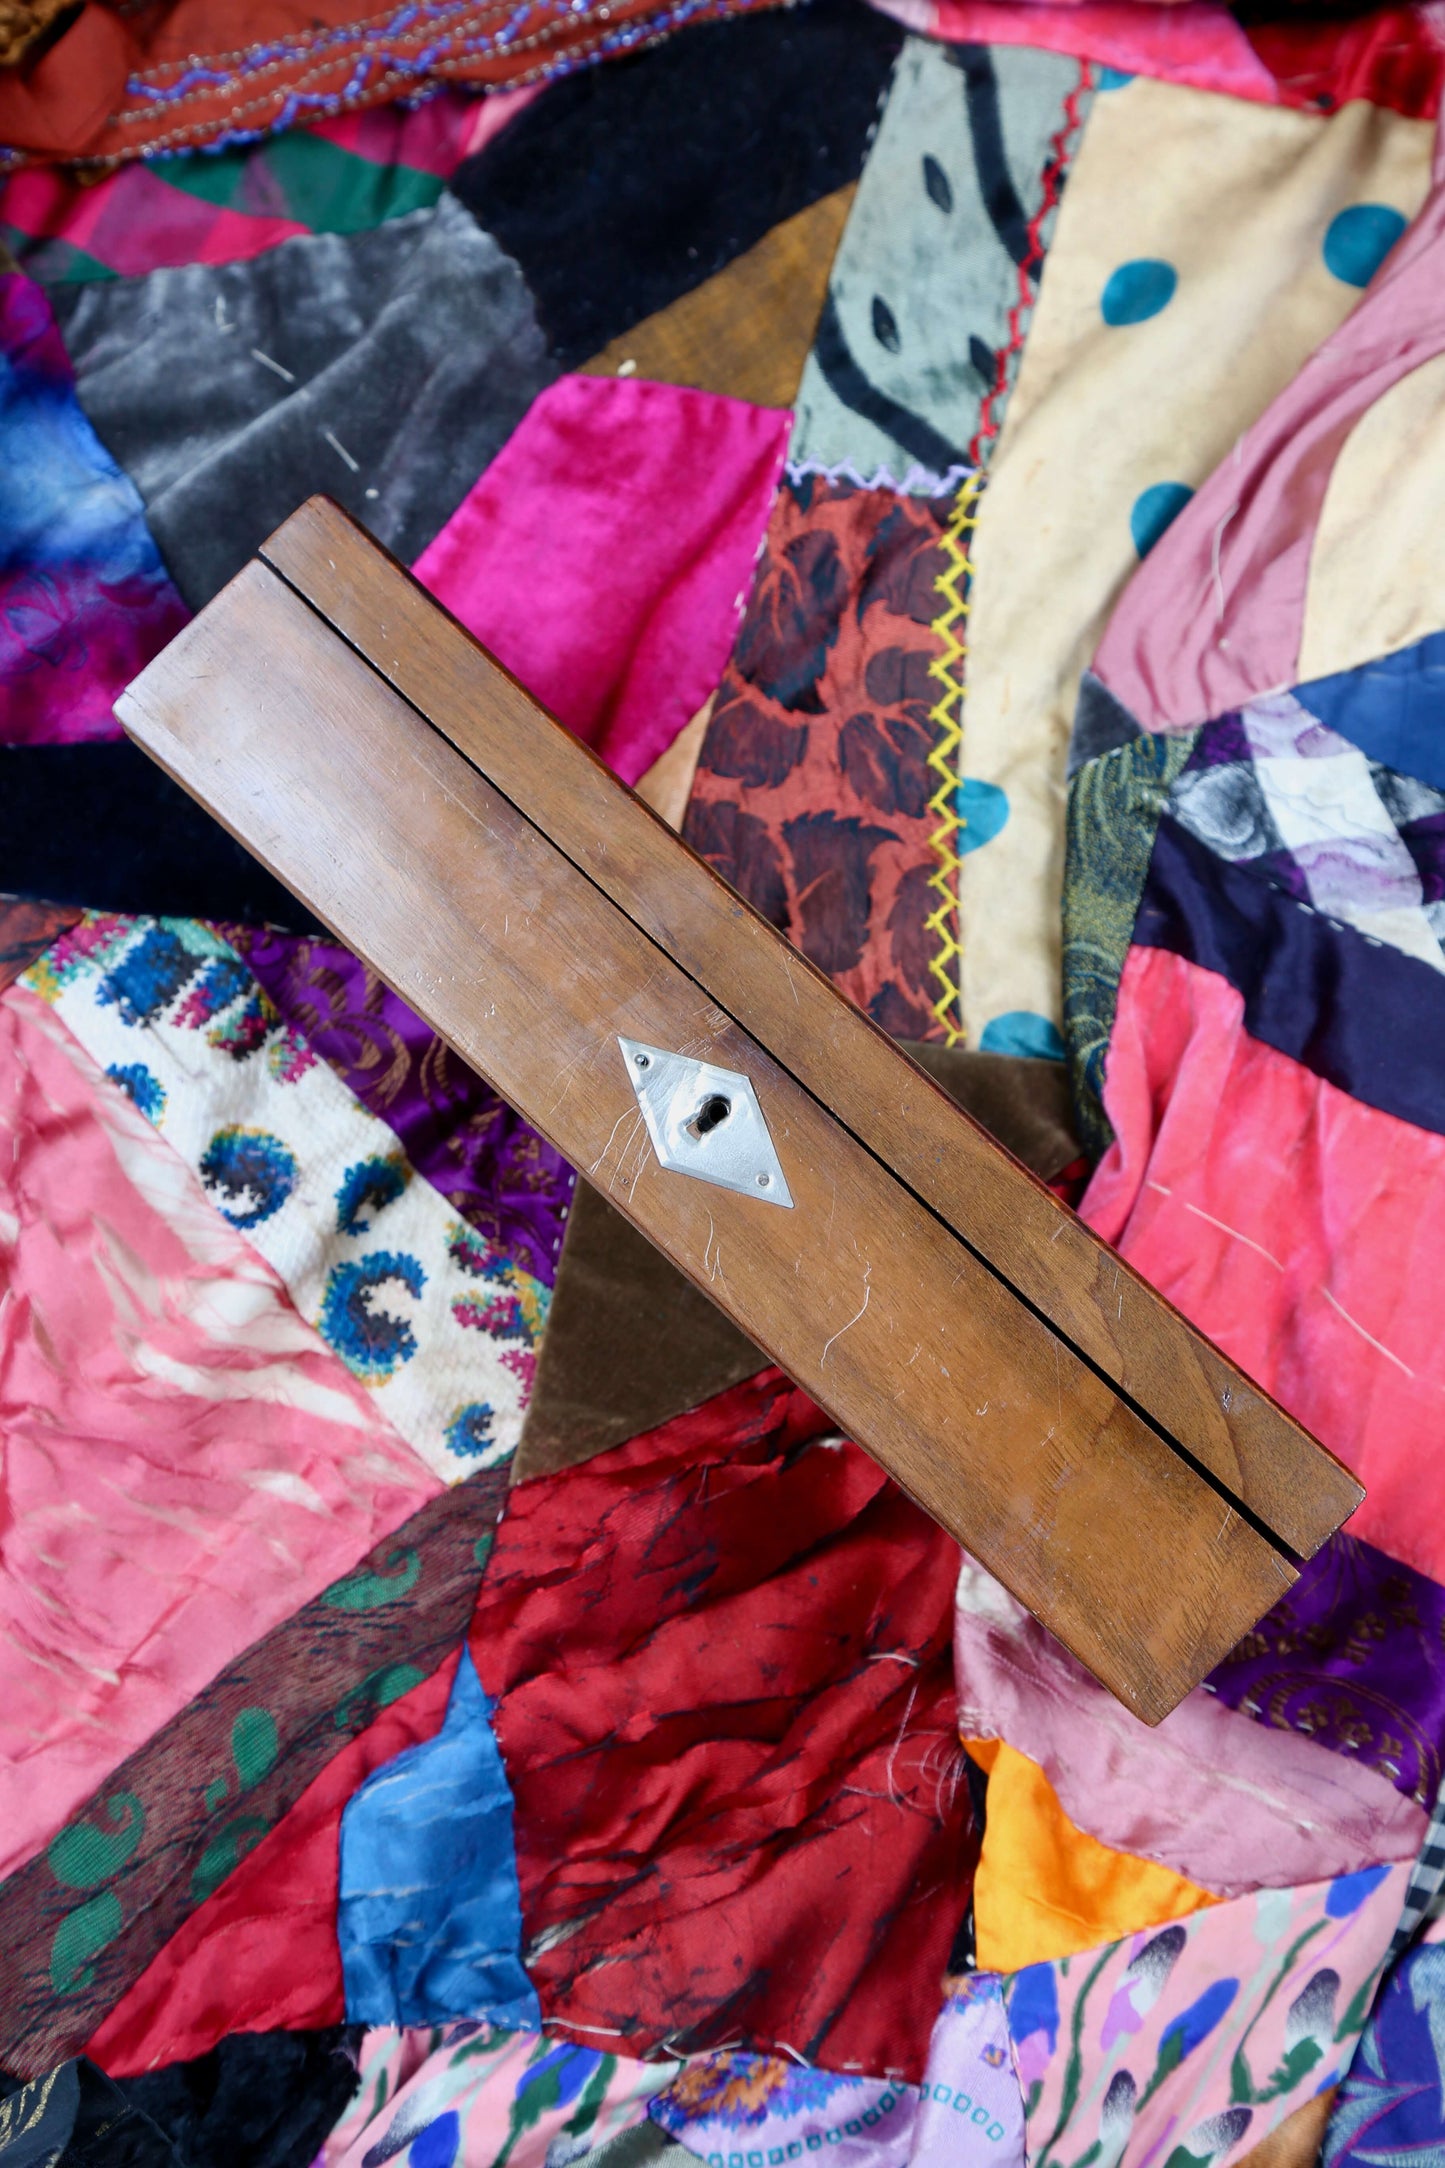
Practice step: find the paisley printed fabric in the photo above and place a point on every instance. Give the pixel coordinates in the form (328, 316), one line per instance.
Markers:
(1115, 804)
(170, 1824)
(471, 2093)
(1185, 2047)
(85, 601)
(813, 787)
(436, 1322)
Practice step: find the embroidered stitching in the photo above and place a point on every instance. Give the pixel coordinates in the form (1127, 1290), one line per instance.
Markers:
(917, 482)
(946, 759)
(1062, 147)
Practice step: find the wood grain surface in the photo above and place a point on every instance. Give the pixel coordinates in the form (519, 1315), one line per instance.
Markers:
(1012, 1222)
(530, 971)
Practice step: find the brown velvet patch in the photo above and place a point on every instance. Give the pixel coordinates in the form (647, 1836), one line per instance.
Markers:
(747, 331)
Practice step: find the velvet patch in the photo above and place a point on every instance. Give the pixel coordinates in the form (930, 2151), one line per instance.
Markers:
(101, 826)
(813, 787)
(627, 186)
(604, 554)
(720, 1657)
(383, 369)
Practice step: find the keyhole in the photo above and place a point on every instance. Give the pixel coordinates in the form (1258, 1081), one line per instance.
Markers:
(714, 1109)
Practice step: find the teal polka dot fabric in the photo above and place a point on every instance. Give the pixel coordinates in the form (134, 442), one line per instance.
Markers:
(982, 811)
(1358, 240)
(1137, 291)
(1153, 510)
(1022, 1031)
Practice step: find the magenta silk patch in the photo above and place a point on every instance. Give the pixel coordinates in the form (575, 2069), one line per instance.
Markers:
(606, 554)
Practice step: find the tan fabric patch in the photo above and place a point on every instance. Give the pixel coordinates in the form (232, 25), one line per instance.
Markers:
(1377, 577)
(1235, 199)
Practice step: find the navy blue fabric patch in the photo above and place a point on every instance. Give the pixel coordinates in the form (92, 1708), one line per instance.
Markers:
(1362, 1015)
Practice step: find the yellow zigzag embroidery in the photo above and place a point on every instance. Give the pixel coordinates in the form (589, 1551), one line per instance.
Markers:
(946, 759)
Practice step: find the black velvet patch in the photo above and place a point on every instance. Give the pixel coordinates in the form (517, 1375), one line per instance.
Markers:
(626, 185)
(100, 825)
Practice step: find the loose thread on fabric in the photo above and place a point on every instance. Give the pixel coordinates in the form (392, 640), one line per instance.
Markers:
(944, 923)
(1062, 145)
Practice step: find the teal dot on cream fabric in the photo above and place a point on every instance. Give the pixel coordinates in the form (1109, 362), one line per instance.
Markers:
(982, 811)
(1358, 240)
(1022, 1031)
(1155, 509)
(1137, 291)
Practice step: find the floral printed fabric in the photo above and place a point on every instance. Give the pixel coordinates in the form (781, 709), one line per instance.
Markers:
(737, 2110)
(1188, 2046)
(740, 2111)
(491, 2099)
(84, 598)
(437, 1323)
(813, 787)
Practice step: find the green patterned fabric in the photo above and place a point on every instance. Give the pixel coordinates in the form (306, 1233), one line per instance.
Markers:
(1114, 808)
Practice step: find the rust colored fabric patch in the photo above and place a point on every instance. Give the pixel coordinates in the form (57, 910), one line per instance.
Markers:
(812, 790)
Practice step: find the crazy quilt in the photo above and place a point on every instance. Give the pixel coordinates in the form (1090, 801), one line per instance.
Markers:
(973, 466)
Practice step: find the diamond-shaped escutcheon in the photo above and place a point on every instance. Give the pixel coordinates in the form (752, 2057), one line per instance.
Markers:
(706, 1122)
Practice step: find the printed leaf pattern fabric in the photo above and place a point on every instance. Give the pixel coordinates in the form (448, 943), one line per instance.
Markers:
(435, 1322)
(813, 786)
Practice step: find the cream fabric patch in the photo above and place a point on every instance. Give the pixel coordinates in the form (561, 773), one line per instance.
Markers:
(1377, 575)
(1189, 279)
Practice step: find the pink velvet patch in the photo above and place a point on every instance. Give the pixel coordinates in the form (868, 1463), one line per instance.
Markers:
(185, 1461)
(606, 554)
(1295, 1226)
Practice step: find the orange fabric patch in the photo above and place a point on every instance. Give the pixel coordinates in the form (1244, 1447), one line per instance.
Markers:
(1044, 1888)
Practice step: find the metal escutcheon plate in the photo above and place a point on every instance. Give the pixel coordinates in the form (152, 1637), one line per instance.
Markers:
(706, 1122)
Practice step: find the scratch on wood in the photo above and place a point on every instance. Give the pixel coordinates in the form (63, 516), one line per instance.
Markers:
(612, 1139)
(867, 1293)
